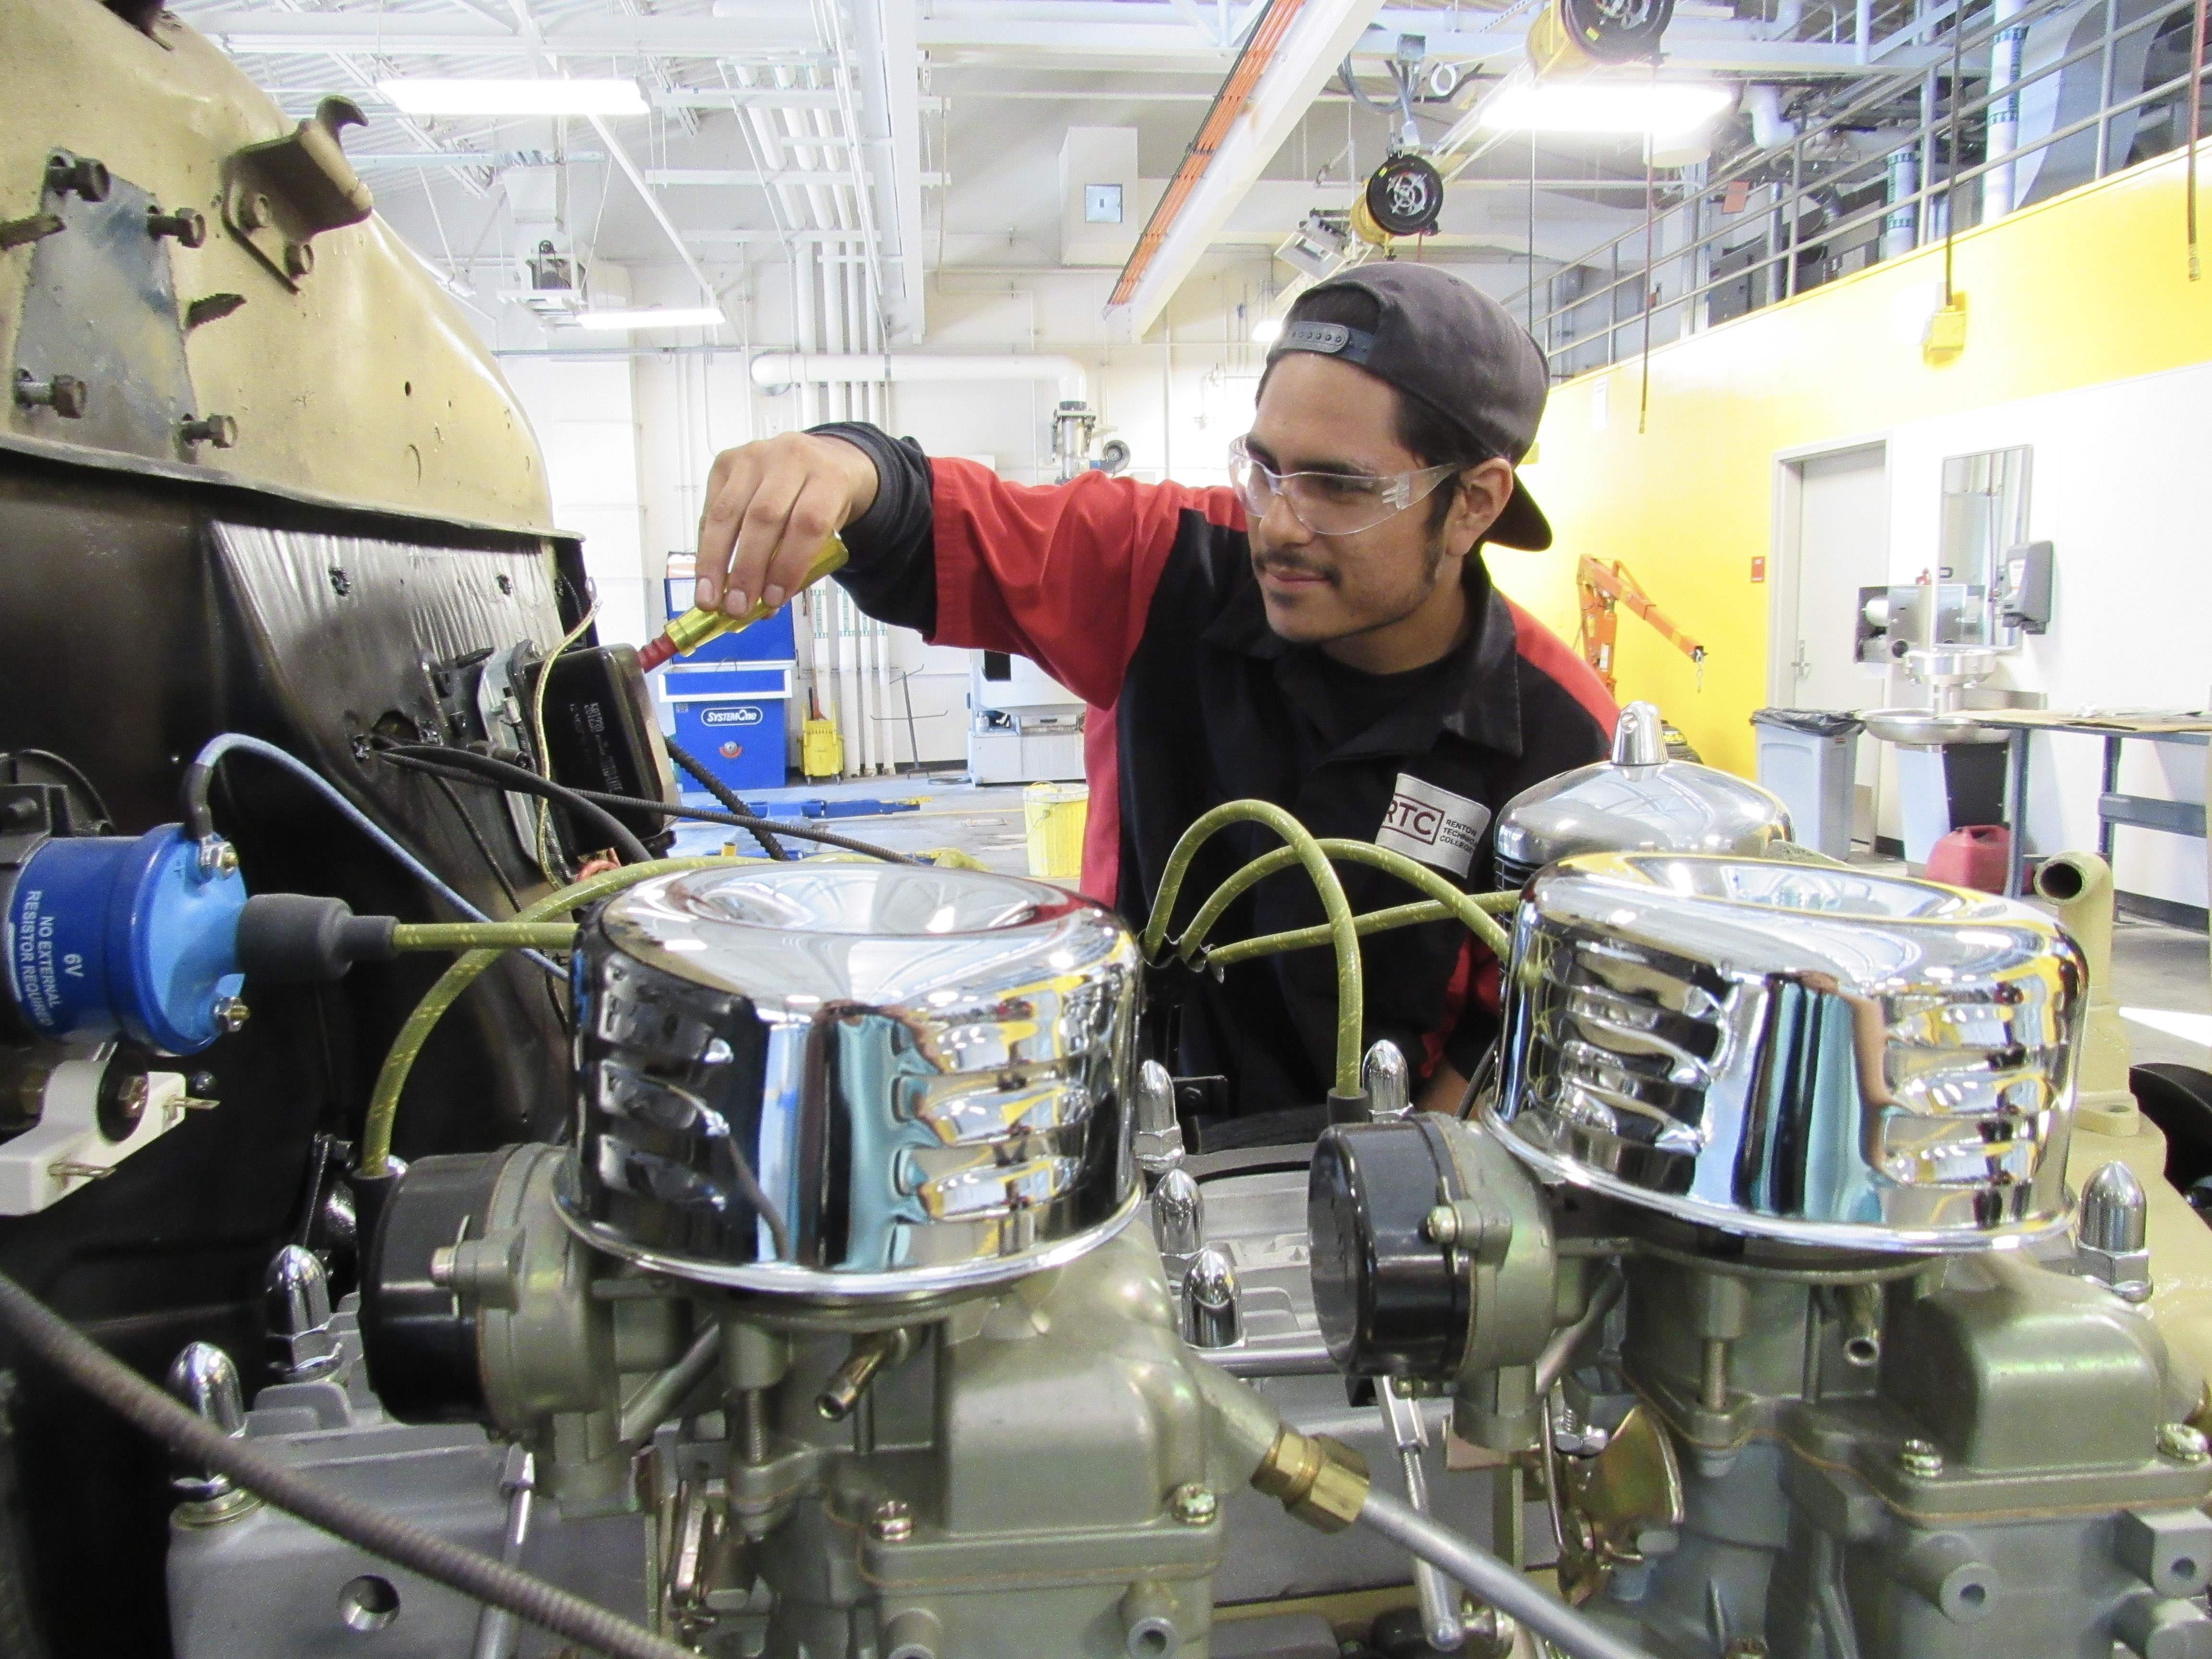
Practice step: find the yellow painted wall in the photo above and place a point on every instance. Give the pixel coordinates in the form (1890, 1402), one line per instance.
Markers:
(2090, 287)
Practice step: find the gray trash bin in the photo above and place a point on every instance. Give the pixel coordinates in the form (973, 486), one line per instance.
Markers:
(1809, 756)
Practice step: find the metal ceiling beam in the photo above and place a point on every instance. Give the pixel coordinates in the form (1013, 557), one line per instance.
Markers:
(1154, 35)
(262, 30)
(888, 81)
(1306, 55)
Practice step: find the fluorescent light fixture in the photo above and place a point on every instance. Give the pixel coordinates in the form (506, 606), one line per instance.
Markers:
(619, 321)
(1267, 331)
(428, 95)
(1659, 108)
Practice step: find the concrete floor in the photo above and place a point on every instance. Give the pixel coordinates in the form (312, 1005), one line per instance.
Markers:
(2157, 970)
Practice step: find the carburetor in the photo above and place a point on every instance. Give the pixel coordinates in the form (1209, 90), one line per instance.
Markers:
(842, 1227)
(1782, 1148)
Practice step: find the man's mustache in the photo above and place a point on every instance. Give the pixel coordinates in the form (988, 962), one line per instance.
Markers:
(1286, 565)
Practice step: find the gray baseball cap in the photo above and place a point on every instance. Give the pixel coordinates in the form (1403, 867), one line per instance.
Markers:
(1449, 344)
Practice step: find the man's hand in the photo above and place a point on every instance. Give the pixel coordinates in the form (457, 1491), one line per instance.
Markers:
(770, 506)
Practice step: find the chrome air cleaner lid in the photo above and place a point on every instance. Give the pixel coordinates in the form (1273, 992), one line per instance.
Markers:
(1817, 1055)
(847, 1082)
(1638, 801)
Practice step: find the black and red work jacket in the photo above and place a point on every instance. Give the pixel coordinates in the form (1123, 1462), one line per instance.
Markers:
(1141, 599)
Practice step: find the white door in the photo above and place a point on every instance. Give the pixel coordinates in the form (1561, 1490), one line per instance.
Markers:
(1841, 536)
(1834, 541)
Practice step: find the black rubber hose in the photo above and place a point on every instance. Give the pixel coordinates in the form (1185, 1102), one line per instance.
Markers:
(747, 821)
(704, 814)
(116, 1386)
(721, 792)
(428, 757)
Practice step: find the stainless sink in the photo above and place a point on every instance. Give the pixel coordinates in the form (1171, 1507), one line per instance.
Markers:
(1926, 728)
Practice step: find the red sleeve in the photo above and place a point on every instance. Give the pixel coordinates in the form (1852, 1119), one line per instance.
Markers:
(1060, 574)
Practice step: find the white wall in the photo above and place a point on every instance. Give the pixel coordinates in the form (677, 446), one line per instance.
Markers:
(2116, 484)
(587, 424)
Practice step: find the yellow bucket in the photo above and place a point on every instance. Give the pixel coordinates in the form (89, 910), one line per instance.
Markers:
(1054, 814)
(821, 749)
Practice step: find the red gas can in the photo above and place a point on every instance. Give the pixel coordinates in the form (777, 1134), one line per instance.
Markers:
(1973, 855)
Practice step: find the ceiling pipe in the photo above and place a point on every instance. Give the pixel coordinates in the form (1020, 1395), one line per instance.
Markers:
(774, 370)
(1769, 129)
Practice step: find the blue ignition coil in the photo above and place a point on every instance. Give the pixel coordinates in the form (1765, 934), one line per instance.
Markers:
(111, 936)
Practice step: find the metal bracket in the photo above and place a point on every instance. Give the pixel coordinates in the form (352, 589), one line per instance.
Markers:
(279, 197)
(68, 1149)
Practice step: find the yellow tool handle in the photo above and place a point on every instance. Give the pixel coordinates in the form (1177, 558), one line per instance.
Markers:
(696, 626)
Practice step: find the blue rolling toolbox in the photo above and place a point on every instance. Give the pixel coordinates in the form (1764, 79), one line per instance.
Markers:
(731, 698)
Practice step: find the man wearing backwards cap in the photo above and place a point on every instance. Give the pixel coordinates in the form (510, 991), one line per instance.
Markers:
(1322, 634)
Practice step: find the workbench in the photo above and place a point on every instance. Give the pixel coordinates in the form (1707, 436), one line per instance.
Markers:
(2173, 818)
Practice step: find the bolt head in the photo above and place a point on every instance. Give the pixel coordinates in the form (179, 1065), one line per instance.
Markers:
(299, 259)
(2184, 1444)
(230, 1012)
(202, 1083)
(254, 212)
(217, 858)
(1441, 1225)
(1923, 1459)
(1194, 1504)
(891, 1521)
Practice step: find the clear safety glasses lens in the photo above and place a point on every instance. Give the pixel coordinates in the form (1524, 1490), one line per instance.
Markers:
(1329, 503)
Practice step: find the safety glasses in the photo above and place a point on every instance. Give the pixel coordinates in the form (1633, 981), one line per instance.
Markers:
(1329, 503)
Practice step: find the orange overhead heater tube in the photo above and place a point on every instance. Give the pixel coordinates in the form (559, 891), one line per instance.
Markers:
(1603, 589)
(1228, 104)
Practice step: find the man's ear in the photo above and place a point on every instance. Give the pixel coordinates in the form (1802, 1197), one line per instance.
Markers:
(1484, 491)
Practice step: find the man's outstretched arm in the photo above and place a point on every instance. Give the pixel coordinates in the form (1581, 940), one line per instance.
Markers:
(1062, 575)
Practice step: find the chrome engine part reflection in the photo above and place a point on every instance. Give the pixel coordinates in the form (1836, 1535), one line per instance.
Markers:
(845, 1082)
(1816, 1056)
(1637, 801)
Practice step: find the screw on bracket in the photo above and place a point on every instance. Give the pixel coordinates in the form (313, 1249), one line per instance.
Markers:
(81, 175)
(891, 1521)
(1921, 1459)
(14, 233)
(2184, 1444)
(221, 430)
(185, 224)
(66, 395)
(1194, 1504)
(299, 258)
